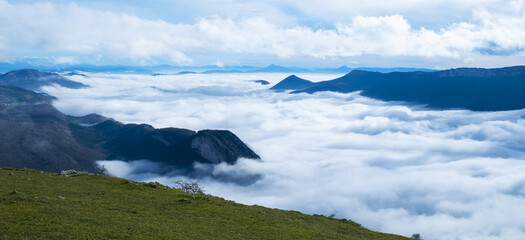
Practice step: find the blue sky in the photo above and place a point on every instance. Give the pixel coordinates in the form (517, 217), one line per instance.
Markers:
(329, 33)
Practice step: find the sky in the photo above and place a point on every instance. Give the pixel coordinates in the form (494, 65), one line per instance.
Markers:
(396, 168)
(392, 167)
(433, 34)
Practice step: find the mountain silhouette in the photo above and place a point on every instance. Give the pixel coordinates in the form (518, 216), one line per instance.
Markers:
(476, 89)
(36, 135)
(292, 83)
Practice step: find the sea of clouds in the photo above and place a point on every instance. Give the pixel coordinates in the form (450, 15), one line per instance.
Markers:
(391, 167)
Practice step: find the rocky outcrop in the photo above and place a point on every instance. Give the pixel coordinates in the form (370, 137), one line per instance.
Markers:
(218, 146)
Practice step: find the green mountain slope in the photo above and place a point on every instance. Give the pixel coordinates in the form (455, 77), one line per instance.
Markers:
(38, 205)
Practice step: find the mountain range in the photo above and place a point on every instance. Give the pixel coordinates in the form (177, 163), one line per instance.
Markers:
(36, 135)
(476, 89)
(282, 69)
(168, 69)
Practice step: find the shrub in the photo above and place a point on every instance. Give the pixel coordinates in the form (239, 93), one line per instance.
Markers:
(416, 236)
(103, 170)
(189, 187)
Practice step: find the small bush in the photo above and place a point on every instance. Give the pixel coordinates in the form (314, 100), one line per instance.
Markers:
(416, 236)
(103, 170)
(189, 187)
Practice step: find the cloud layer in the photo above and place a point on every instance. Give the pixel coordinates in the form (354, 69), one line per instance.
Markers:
(393, 168)
(72, 33)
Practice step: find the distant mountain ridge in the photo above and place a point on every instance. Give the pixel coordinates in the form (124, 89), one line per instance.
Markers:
(168, 69)
(282, 69)
(36, 135)
(476, 89)
(33, 80)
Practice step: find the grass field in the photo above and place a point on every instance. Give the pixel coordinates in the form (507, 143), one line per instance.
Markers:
(37, 205)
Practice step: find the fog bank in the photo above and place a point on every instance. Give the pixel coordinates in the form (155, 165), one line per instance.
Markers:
(388, 166)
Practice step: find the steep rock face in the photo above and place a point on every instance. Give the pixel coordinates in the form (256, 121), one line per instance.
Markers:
(33, 80)
(475, 89)
(218, 146)
(36, 135)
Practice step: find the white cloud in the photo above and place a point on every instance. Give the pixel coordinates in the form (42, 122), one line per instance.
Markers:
(66, 60)
(48, 29)
(444, 174)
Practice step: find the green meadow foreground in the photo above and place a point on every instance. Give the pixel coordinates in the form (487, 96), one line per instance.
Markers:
(37, 205)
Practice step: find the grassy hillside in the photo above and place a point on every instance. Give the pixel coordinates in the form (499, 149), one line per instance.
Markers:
(37, 205)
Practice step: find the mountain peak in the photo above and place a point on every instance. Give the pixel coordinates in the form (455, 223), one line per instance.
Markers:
(343, 68)
(292, 82)
(274, 67)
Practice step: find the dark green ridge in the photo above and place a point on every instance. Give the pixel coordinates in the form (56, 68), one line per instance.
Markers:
(40, 205)
(476, 89)
(36, 135)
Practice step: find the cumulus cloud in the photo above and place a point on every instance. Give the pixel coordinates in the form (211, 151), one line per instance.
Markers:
(394, 168)
(47, 29)
(54, 28)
